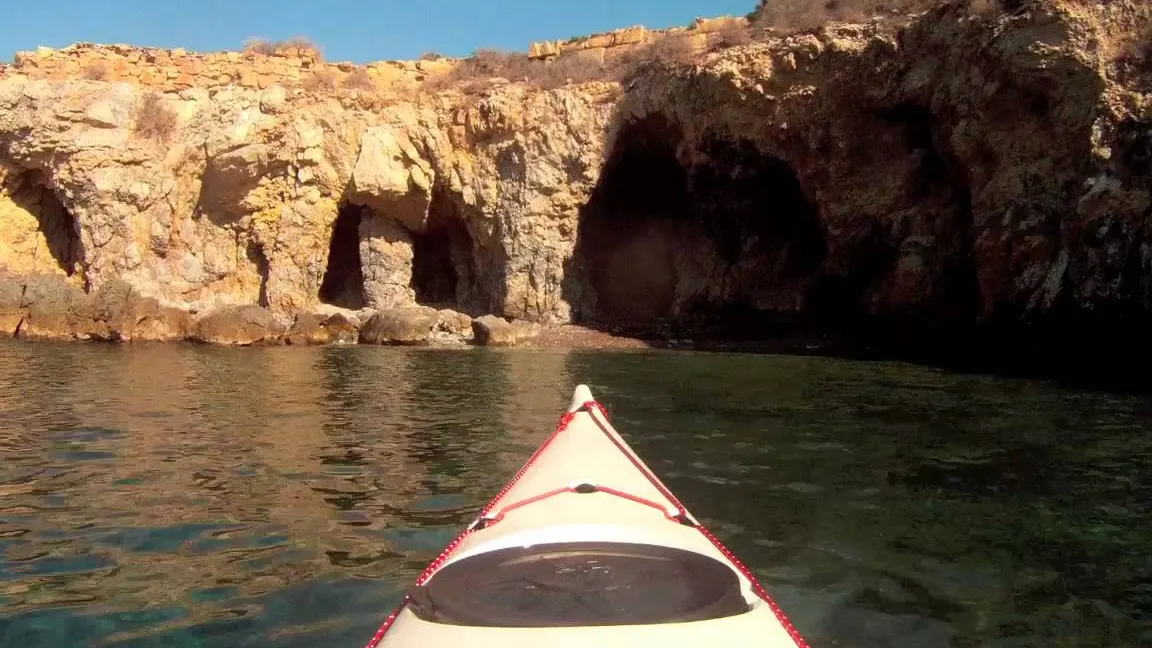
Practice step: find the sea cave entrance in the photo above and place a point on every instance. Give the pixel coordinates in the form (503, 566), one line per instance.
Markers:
(433, 272)
(630, 229)
(55, 223)
(343, 282)
(443, 258)
(721, 247)
(766, 236)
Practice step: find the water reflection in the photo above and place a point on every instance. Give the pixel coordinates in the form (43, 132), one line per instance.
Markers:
(180, 495)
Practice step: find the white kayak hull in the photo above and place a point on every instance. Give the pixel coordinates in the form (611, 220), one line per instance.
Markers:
(585, 488)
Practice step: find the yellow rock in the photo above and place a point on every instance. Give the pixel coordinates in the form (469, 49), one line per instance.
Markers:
(629, 36)
(543, 49)
(597, 41)
(709, 25)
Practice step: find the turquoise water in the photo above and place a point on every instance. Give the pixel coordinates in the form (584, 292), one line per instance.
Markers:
(177, 495)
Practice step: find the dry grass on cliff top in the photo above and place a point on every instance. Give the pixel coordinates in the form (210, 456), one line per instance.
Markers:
(292, 47)
(802, 15)
(479, 71)
(771, 19)
(96, 71)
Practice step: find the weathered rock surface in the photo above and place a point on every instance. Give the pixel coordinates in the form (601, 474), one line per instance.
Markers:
(55, 310)
(451, 328)
(11, 309)
(47, 307)
(969, 170)
(401, 326)
(127, 316)
(238, 325)
(489, 330)
(317, 328)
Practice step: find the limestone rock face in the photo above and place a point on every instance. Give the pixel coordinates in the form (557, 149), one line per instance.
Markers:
(852, 174)
(386, 258)
(392, 177)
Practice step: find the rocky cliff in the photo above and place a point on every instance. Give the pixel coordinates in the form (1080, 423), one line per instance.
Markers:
(956, 170)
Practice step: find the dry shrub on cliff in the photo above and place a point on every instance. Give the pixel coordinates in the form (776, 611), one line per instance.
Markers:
(670, 50)
(259, 46)
(803, 15)
(477, 71)
(790, 14)
(153, 119)
(359, 79)
(492, 62)
(476, 74)
(321, 80)
(292, 46)
(96, 71)
(565, 70)
(983, 7)
(731, 35)
(1133, 55)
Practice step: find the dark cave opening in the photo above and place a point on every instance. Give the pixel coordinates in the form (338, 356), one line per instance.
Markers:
(840, 301)
(918, 122)
(751, 202)
(58, 226)
(942, 184)
(256, 255)
(767, 233)
(710, 246)
(711, 250)
(628, 229)
(443, 256)
(343, 282)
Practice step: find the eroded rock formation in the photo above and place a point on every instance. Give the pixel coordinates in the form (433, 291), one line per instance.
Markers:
(965, 169)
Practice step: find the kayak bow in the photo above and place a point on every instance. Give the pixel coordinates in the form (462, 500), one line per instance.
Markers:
(585, 546)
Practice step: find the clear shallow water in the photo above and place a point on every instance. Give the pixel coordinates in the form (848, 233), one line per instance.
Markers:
(176, 495)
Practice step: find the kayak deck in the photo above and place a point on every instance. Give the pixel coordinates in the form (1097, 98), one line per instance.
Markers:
(585, 544)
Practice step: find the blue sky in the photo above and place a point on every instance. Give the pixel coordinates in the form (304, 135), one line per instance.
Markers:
(346, 30)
